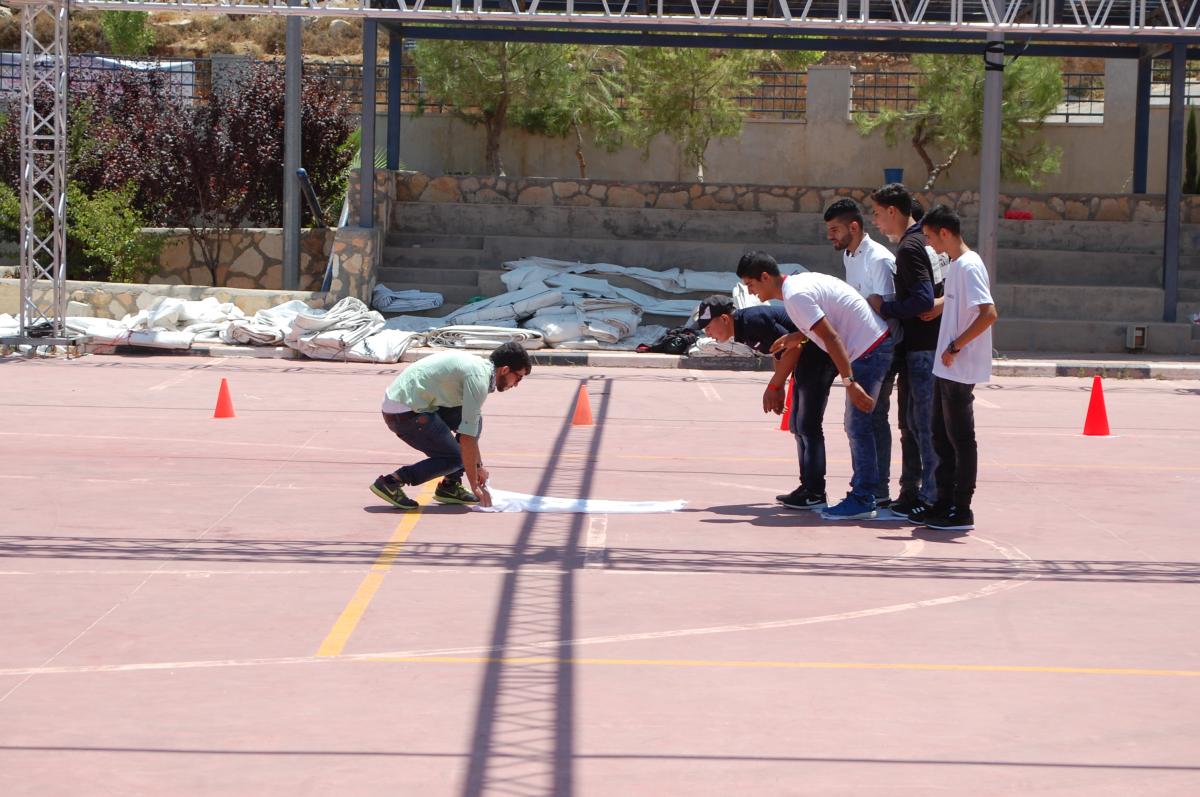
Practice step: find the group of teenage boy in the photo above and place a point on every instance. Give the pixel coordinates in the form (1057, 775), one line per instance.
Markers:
(919, 321)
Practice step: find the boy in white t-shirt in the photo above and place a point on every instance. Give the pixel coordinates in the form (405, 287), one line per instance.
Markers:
(964, 359)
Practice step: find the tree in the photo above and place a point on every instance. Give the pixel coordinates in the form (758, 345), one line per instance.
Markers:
(690, 94)
(586, 98)
(1191, 159)
(493, 83)
(126, 32)
(947, 119)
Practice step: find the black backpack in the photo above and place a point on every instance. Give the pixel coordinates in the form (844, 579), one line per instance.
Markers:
(676, 341)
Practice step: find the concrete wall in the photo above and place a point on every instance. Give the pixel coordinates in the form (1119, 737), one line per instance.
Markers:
(826, 150)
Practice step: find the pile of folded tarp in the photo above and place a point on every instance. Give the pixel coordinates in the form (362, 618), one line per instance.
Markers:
(571, 310)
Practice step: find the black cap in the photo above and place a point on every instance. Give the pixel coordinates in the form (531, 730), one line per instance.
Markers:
(712, 307)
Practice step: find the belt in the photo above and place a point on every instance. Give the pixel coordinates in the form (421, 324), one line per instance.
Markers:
(875, 345)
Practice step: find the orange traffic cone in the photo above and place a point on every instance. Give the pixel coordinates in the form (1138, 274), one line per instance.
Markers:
(224, 402)
(787, 406)
(1097, 417)
(583, 409)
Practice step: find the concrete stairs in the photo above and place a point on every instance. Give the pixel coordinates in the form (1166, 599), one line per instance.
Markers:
(1063, 286)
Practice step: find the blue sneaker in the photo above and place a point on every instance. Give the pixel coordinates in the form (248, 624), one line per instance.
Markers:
(851, 508)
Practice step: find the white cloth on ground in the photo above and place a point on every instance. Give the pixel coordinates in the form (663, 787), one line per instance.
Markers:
(469, 336)
(386, 300)
(505, 501)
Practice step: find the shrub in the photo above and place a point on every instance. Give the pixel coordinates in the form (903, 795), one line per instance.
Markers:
(105, 241)
(126, 32)
(10, 214)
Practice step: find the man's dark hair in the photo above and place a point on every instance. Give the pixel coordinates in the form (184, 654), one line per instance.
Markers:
(894, 195)
(847, 209)
(513, 355)
(754, 264)
(941, 217)
(918, 211)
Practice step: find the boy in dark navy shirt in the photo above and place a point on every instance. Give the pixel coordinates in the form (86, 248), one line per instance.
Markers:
(812, 371)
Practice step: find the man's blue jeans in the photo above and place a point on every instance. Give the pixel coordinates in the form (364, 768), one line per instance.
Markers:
(813, 377)
(433, 434)
(919, 376)
(869, 371)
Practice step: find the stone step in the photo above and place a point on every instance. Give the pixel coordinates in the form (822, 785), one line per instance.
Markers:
(1014, 333)
(1041, 267)
(1079, 302)
(417, 276)
(406, 257)
(444, 219)
(434, 241)
(621, 223)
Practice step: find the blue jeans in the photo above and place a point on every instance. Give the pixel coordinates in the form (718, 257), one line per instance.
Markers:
(869, 371)
(883, 429)
(433, 434)
(813, 377)
(922, 459)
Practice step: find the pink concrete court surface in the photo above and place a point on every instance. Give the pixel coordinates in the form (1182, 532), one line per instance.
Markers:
(191, 606)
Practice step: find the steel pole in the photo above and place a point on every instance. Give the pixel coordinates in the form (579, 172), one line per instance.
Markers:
(293, 67)
(395, 69)
(989, 154)
(1141, 125)
(366, 172)
(1174, 190)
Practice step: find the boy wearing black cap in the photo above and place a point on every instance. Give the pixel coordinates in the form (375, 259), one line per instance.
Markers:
(813, 373)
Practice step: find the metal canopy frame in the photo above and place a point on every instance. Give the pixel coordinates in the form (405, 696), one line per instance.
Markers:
(1099, 28)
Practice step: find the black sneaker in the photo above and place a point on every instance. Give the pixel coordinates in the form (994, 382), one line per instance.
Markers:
(391, 491)
(954, 520)
(922, 512)
(802, 499)
(883, 503)
(906, 506)
(448, 492)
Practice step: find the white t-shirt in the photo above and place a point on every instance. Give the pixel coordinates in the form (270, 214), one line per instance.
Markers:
(811, 296)
(871, 268)
(966, 289)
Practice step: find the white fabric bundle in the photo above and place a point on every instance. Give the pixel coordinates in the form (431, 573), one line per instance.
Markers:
(481, 337)
(386, 300)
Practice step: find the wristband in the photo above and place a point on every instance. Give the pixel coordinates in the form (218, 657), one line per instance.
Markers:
(774, 387)
(952, 348)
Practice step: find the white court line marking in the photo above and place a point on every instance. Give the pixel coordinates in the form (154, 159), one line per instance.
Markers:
(985, 403)
(706, 387)
(744, 486)
(186, 375)
(146, 580)
(597, 539)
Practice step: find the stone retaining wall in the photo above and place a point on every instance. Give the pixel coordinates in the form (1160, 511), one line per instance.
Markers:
(420, 187)
(251, 258)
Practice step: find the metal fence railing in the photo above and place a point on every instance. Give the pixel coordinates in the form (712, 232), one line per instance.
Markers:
(875, 90)
(1160, 81)
(778, 95)
(1083, 99)
(190, 78)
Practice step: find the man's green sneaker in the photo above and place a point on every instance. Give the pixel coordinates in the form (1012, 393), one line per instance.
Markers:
(391, 491)
(449, 492)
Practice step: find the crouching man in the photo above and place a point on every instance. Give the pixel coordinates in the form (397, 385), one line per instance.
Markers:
(436, 406)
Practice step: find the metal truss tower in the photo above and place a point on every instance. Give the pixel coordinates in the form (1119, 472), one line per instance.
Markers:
(43, 172)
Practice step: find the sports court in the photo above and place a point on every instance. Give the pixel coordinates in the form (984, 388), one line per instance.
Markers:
(191, 606)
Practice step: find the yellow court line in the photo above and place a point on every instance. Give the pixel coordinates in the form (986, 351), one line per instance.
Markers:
(778, 665)
(339, 635)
